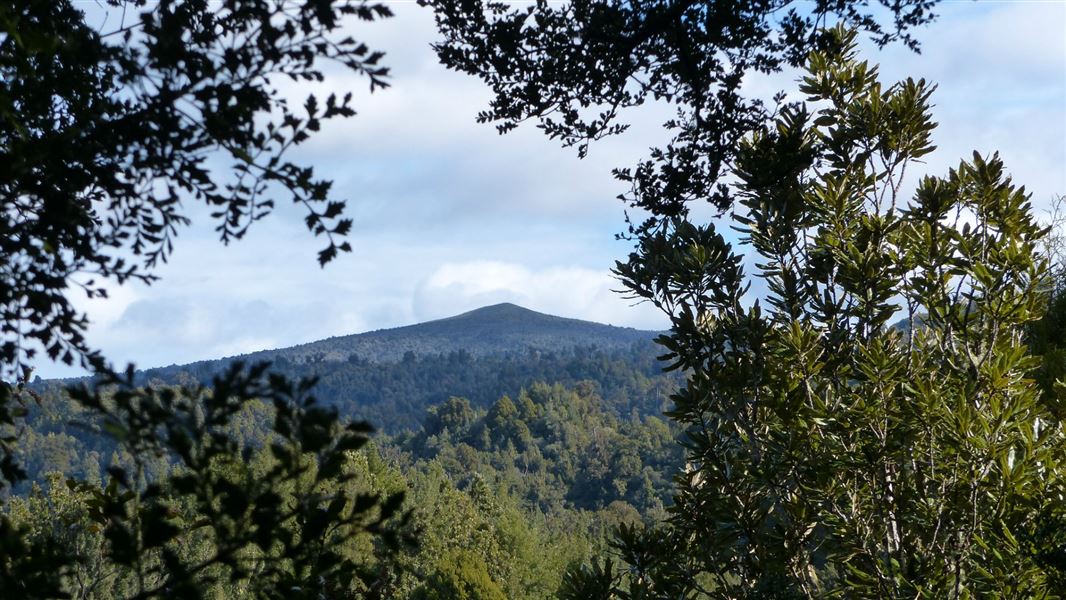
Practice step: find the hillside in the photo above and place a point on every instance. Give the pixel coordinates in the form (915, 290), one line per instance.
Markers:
(391, 376)
(491, 330)
(537, 483)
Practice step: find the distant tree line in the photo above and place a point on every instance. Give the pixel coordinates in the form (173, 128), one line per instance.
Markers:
(395, 395)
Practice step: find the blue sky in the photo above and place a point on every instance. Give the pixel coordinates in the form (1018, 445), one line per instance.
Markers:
(450, 216)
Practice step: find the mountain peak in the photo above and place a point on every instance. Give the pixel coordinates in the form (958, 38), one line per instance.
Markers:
(498, 329)
(503, 309)
(502, 306)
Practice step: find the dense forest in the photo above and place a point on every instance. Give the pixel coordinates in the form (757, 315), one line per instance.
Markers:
(391, 377)
(510, 496)
(395, 395)
(506, 496)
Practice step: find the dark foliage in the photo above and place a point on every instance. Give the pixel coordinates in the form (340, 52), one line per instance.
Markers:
(1046, 339)
(828, 453)
(488, 331)
(554, 447)
(396, 394)
(461, 576)
(627, 387)
(575, 68)
(103, 134)
(188, 477)
(553, 467)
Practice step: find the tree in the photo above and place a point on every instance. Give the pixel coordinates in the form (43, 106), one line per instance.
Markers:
(276, 518)
(576, 67)
(1045, 336)
(103, 135)
(460, 576)
(806, 406)
(834, 450)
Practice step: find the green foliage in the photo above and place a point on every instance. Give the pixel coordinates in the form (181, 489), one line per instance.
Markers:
(499, 329)
(392, 376)
(576, 67)
(285, 517)
(65, 515)
(395, 394)
(400, 396)
(597, 580)
(490, 526)
(829, 453)
(557, 448)
(460, 576)
(528, 487)
(532, 486)
(1045, 338)
(103, 136)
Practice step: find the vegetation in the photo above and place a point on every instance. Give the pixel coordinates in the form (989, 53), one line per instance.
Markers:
(461, 576)
(396, 395)
(487, 331)
(489, 483)
(546, 478)
(103, 134)
(191, 503)
(818, 450)
(828, 453)
(504, 500)
(554, 448)
(831, 454)
(577, 68)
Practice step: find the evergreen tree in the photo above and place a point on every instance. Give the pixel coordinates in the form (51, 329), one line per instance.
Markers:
(831, 451)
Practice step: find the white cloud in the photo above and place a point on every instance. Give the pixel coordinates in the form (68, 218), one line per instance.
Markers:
(105, 310)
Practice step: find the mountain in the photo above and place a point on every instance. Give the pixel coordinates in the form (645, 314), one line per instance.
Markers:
(491, 330)
(390, 377)
(562, 406)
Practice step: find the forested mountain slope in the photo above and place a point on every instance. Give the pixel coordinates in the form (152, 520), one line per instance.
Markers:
(491, 330)
(520, 440)
(481, 356)
(391, 377)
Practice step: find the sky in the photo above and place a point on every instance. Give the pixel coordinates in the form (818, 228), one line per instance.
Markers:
(450, 216)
